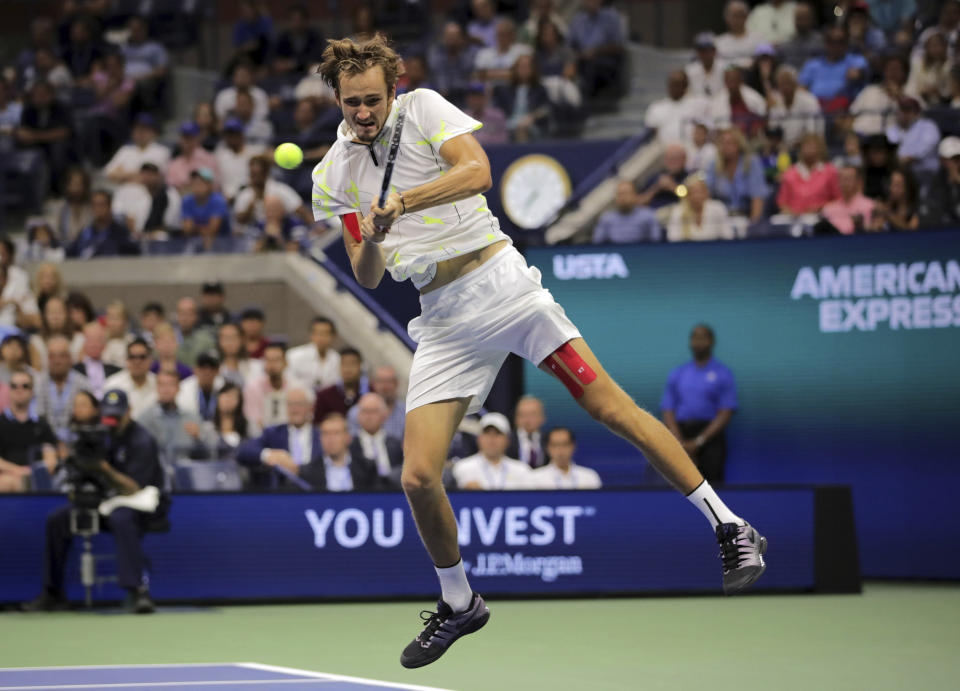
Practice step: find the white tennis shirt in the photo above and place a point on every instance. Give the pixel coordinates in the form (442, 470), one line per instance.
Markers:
(349, 177)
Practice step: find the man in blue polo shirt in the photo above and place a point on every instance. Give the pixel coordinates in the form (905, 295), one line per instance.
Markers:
(205, 213)
(837, 77)
(698, 402)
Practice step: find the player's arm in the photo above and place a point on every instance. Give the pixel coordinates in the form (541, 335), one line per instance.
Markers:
(366, 256)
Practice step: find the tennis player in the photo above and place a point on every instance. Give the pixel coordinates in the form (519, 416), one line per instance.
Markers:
(480, 301)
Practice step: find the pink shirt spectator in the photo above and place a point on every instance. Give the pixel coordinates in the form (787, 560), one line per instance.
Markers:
(840, 212)
(178, 172)
(803, 190)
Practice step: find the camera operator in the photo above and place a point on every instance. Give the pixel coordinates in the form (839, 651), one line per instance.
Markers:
(122, 460)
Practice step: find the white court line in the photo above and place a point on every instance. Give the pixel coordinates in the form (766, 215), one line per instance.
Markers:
(126, 666)
(156, 684)
(338, 677)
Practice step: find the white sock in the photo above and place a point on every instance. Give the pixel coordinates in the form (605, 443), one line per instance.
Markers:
(705, 499)
(453, 584)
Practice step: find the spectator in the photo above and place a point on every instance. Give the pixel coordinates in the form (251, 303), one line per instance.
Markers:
(80, 310)
(226, 100)
(179, 432)
(340, 470)
(148, 205)
(705, 74)
(152, 315)
(137, 382)
(117, 323)
(252, 33)
(930, 71)
(478, 106)
(198, 392)
(75, 212)
(42, 244)
(597, 37)
(760, 75)
(795, 111)
(737, 177)
(233, 156)
(482, 29)
(289, 446)
(561, 472)
(18, 306)
(371, 440)
(628, 221)
(251, 324)
(942, 204)
(852, 154)
(206, 215)
(298, 46)
(552, 51)
(527, 444)
(311, 133)
(810, 182)
(85, 51)
(698, 403)
(524, 101)
(541, 12)
(206, 120)
(490, 469)
(46, 126)
(229, 423)
(192, 157)
(916, 138)
(248, 206)
(865, 38)
(104, 237)
(265, 402)
(673, 117)
(42, 37)
(147, 60)
(737, 104)
(738, 43)
(255, 129)
(167, 345)
(451, 62)
(126, 164)
(54, 322)
(341, 397)
(697, 217)
(11, 112)
(875, 106)
(213, 311)
(773, 21)
(701, 152)
(14, 356)
(114, 94)
(55, 389)
(316, 364)
(878, 162)
(314, 88)
(47, 283)
(22, 434)
(278, 231)
(92, 366)
(837, 77)
(237, 367)
(852, 211)
(898, 209)
(416, 75)
(495, 63)
(47, 67)
(890, 16)
(193, 338)
(15, 274)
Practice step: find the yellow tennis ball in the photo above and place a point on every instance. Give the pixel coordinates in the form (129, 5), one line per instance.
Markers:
(288, 156)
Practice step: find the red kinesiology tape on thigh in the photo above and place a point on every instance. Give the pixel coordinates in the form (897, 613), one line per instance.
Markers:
(352, 222)
(576, 364)
(573, 387)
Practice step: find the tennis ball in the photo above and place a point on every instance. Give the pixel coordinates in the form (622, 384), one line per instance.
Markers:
(288, 156)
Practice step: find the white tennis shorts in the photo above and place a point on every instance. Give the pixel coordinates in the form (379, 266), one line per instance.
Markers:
(467, 328)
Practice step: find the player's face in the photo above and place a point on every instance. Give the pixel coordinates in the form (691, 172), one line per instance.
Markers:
(365, 102)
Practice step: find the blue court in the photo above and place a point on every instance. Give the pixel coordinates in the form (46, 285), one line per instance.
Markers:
(222, 677)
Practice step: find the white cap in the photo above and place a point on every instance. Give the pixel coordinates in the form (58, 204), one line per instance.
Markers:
(497, 421)
(949, 147)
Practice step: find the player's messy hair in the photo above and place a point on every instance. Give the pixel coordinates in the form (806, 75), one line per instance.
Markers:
(350, 57)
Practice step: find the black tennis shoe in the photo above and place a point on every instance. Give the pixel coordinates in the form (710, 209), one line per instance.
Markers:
(441, 629)
(741, 549)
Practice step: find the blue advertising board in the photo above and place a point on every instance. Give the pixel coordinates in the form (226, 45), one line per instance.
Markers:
(294, 546)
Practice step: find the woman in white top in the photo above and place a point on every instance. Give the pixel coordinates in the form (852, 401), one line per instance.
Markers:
(236, 366)
(697, 217)
(930, 71)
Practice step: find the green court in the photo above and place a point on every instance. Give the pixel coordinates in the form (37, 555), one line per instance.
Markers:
(894, 636)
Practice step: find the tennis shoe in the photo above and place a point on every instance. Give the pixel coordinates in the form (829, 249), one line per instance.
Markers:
(441, 629)
(741, 550)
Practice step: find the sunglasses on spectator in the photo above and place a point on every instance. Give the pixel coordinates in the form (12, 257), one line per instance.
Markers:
(141, 356)
(25, 387)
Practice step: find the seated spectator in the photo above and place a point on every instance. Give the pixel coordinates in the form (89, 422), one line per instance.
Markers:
(22, 435)
(80, 310)
(342, 396)
(875, 106)
(226, 100)
(852, 211)
(316, 364)
(205, 213)
(930, 71)
(166, 345)
(416, 75)
(628, 221)
(527, 444)
(148, 205)
(290, 446)
(255, 129)
(314, 88)
(737, 104)
(451, 62)
(114, 95)
(213, 311)
(541, 12)
(524, 101)
(490, 469)
(597, 38)
(178, 431)
(760, 75)
(229, 423)
(47, 127)
(11, 112)
(661, 189)
(136, 381)
(772, 21)
(151, 316)
(47, 283)
(251, 324)
(75, 212)
(478, 106)
(233, 156)
(371, 440)
(865, 38)
(192, 157)
(482, 28)
(810, 182)
(898, 209)
(311, 133)
(105, 236)
(737, 178)
(118, 334)
(47, 67)
(552, 51)
(878, 161)
(942, 204)
(252, 34)
(705, 74)
(237, 366)
(192, 337)
(837, 77)
(701, 152)
(697, 217)
(265, 402)
(56, 388)
(91, 364)
(198, 392)
(42, 244)
(340, 469)
(54, 322)
(916, 137)
(14, 355)
(300, 45)
(673, 117)
(738, 43)
(774, 156)
(147, 60)
(561, 472)
(84, 51)
(206, 120)
(248, 206)
(795, 111)
(126, 164)
(495, 63)
(278, 231)
(852, 154)
(18, 306)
